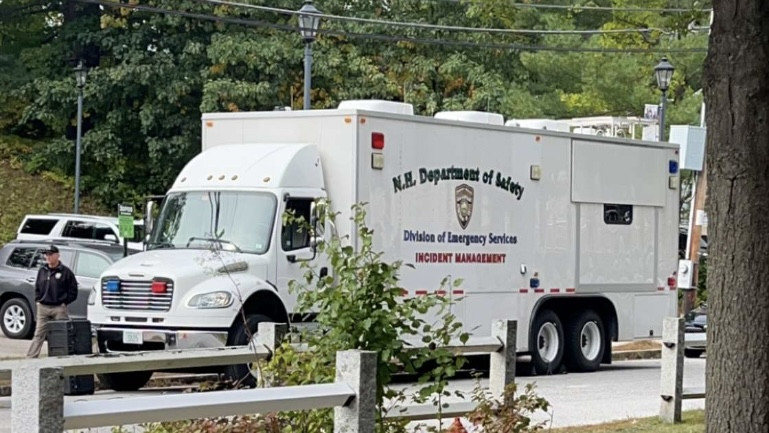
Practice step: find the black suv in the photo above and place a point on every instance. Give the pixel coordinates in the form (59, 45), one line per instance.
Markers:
(19, 262)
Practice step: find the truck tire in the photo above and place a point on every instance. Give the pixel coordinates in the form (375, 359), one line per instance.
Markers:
(585, 339)
(241, 374)
(546, 342)
(16, 319)
(128, 381)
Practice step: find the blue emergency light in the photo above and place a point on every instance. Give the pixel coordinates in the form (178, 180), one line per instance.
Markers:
(113, 285)
(672, 167)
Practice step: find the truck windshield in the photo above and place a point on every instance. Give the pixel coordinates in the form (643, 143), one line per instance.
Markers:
(229, 220)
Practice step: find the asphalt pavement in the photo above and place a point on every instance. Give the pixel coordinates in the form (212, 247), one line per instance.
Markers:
(10, 349)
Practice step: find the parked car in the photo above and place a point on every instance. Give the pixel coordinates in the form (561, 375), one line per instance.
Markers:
(695, 334)
(19, 263)
(78, 227)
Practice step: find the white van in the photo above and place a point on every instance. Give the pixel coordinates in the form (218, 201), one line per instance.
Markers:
(80, 227)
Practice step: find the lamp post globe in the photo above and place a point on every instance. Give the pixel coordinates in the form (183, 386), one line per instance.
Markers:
(664, 73)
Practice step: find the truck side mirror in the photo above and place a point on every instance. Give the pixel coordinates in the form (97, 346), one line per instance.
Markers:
(313, 215)
(148, 221)
(316, 227)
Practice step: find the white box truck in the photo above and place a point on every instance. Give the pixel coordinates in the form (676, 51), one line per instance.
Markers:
(573, 236)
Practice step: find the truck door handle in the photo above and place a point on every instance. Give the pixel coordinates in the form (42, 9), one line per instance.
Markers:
(31, 280)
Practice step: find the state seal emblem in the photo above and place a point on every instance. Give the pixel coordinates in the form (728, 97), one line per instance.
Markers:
(463, 197)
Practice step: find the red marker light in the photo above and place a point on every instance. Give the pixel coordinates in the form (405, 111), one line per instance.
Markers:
(377, 140)
(159, 286)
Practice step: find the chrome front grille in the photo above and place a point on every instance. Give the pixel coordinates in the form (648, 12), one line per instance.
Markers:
(135, 295)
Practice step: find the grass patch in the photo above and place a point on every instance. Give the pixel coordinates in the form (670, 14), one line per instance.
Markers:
(693, 422)
(637, 345)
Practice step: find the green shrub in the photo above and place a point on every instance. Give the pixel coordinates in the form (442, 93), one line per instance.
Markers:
(360, 305)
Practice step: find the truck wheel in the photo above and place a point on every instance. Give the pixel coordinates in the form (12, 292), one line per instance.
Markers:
(546, 342)
(16, 319)
(584, 342)
(128, 381)
(242, 374)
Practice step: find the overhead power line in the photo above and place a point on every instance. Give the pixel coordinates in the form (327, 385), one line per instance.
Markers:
(515, 4)
(390, 38)
(432, 26)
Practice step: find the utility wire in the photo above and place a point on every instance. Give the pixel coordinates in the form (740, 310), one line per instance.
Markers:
(514, 4)
(390, 38)
(431, 26)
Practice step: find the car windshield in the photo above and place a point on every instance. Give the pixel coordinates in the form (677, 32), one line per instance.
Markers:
(230, 220)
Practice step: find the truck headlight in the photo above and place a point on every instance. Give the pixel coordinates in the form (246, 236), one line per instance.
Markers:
(92, 296)
(211, 300)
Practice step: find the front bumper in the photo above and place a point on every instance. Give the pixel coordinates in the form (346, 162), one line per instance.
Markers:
(114, 339)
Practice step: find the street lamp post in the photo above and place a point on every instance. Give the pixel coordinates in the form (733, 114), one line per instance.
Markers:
(80, 74)
(664, 73)
(309, 21)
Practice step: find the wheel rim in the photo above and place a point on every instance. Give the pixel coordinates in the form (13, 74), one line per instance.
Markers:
(14, 319)
(590, 340)
(547, 342)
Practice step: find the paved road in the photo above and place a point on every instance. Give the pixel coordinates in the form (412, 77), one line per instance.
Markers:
(624, 390)
(627, 389)
(16, 348)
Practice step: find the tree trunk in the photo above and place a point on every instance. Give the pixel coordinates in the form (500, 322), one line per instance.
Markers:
(737, 97)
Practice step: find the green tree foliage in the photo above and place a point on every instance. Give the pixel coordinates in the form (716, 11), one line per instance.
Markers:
(152, 74)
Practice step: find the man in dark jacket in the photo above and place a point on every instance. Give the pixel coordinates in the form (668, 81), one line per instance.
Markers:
(55, 288)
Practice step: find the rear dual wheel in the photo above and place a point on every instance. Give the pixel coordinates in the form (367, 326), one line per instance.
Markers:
(546, 342)
(576, 342)
(585, 342)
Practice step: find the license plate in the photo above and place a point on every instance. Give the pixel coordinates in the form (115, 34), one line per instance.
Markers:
(132, 337)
